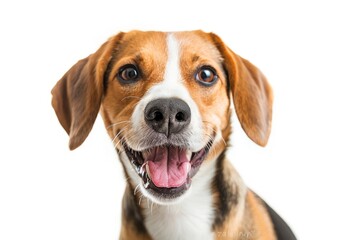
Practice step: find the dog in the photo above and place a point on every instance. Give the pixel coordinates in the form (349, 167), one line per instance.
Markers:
(165, 101)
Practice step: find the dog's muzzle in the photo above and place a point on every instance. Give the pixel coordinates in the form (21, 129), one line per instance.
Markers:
(166, 168)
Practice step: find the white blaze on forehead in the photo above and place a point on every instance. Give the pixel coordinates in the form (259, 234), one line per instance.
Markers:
(172, 71)
(172, 86)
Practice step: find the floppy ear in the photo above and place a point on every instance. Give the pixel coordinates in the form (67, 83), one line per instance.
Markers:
(252, 94)
(77, 95)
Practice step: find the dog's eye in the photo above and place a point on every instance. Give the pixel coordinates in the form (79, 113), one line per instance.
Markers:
(128, 74)
(206, 76)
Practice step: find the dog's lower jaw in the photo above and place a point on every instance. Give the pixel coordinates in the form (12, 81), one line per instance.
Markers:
(184, 163)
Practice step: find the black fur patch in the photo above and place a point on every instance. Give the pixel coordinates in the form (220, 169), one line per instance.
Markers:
(228, 192)
(282, 230)
(130, 210)
(227, 81)
(110, 65)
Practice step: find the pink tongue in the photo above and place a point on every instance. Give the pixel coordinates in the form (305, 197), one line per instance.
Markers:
(168, 166)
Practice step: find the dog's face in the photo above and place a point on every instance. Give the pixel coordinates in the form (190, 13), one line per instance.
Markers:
(164, 99)
(166, 105)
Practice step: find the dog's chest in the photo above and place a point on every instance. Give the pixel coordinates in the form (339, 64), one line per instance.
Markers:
(190, 220)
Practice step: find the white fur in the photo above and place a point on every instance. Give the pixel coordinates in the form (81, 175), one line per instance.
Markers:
(192, 217)
(172, 86)
(189, 217)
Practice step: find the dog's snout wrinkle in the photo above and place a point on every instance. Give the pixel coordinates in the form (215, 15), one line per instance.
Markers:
(167, 115)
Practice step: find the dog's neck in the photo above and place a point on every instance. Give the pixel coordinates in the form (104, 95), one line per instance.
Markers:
(195, 216)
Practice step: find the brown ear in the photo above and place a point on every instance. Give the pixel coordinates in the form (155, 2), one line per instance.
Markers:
(252, 94)
(77, 95)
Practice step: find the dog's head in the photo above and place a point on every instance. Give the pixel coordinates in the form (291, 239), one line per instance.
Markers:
(165, 102)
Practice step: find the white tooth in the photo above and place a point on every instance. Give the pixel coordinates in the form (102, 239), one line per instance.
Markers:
(188, 154)
(148, 170)
(142, 169)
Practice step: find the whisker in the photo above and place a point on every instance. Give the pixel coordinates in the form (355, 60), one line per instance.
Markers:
(117, 123)
(136, 190)
(140, 198)
(117, 144)
(116, 136)
(122, 139)
(148, 203)
(151, 208)
(136, 97)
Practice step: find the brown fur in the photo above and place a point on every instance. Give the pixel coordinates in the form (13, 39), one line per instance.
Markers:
(252, 94)
(91, 85)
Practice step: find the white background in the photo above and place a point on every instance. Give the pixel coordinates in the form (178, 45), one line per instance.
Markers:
(309, 171)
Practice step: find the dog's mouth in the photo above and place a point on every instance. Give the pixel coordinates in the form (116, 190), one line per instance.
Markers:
(167, 170)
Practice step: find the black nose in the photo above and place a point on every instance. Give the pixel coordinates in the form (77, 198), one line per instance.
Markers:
(167, 115)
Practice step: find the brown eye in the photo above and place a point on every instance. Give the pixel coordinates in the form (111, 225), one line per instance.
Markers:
(206, 76)
(128, 74)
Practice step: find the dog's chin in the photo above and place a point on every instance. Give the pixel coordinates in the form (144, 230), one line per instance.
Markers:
(166, 184)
